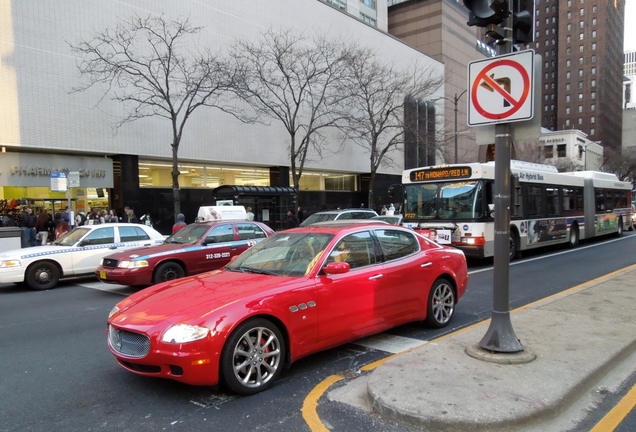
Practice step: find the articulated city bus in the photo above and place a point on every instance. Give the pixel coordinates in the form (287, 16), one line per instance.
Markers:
(454, 205)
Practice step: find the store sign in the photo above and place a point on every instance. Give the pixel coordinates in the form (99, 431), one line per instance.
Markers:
(30, 170)
(59, 181)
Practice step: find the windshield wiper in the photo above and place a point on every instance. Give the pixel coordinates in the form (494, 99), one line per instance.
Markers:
(253, 270)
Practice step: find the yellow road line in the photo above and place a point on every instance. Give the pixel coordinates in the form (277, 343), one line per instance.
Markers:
(613, 418)
(311, 401)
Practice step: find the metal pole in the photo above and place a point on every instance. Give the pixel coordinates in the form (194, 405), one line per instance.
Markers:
(500, 336)
(456, 100)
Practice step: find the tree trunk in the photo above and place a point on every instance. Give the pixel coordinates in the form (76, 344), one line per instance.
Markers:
(176, 196)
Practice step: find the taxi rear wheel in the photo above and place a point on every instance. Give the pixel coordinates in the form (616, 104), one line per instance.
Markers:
(168, 271)
(42, 275)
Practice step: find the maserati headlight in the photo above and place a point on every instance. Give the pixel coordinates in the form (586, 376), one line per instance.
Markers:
(182, 333)
(132, 264)
(9, 263)
(113, 311)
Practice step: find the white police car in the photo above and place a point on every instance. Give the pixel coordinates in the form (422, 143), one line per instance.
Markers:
(77, 252)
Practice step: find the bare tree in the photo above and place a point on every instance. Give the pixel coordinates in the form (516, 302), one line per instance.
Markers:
(148, 65)
(374, 110)
(290, 78)
(622, 164)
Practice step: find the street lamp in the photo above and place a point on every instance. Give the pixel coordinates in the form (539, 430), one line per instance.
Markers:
(454, 102)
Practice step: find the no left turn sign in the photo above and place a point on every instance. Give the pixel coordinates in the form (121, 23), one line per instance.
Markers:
(501, 89)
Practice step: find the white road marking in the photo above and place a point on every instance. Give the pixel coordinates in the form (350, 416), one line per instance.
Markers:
(123, 290)
(389, 343)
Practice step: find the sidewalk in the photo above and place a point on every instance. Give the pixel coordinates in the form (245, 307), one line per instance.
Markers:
(578, 336)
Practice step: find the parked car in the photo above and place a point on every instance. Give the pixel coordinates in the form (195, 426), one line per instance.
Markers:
(330, 215)
(300, 291)
(395, 219)
(195, 248)
(77, 252)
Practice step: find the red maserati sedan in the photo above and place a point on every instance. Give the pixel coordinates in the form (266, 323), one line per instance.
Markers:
(298, 292)
(195, 248)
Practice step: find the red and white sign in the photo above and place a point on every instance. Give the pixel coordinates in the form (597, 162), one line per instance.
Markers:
(501, 89)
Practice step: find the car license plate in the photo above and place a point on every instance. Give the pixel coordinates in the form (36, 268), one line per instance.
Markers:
(102, 274)
(443, 237)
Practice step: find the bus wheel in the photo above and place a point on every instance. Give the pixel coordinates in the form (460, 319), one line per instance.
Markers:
(619, 231)
(514, 246)
(574, 236)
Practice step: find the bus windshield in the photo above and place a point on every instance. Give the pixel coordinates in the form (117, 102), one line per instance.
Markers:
(444, 200)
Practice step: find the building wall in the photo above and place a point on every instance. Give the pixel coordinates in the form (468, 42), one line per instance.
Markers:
(38, 74)
(438, 28)
(582, 48)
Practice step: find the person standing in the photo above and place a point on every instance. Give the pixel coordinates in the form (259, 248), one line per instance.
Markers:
(132, 218)
(301, 215)
(250, 215)
(42, 225)
(179, 224)
(27, 224)
(111, 217)
(292, 219)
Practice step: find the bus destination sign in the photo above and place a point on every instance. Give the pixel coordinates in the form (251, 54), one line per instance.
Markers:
(444, 173)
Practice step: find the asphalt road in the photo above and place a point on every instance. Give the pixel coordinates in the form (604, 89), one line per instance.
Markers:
(60, 376)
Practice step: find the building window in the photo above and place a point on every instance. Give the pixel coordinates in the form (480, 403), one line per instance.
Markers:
(548, 152)
(594, 8)
(580, 72)
(594, 58)
(368, 3)
(580, 108)
(581, 12)
(567, 122)
(580, 120)
(569, 26)
(593, 46)
(569, 14)
(367, 19)
(592, 131)
(593, 21)
(561, 150)
(567, 110)
(567, 86)
(593, 71)
(568, 39)
(593, 95)
(580, 48)
(568, 63)
(340, 4)
(593, 83)
(567, 74)
(593, 107)
(580, 84)
(592, 119)
(581, 24)
(580, 96)
(567, 98)
(594, 33)
(580, 60)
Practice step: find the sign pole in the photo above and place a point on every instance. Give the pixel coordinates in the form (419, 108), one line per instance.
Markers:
(500, 336)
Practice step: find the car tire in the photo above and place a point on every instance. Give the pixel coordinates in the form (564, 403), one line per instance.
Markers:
(514, 251)
(42, 275)
(168, 271)
(441, 303)
(252, 357)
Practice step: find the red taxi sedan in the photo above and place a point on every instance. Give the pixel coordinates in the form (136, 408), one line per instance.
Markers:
(196, 248)
(298, 292)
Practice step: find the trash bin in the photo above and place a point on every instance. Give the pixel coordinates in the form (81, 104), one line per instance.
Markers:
(10, 238)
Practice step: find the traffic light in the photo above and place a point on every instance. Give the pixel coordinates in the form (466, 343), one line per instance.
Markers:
(482, 13)
(522, 21)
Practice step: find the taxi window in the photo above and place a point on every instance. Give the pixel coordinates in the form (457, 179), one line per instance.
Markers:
(249, 231)
(220, 234)
(396, 244)
(132, 233)
(100, 236)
